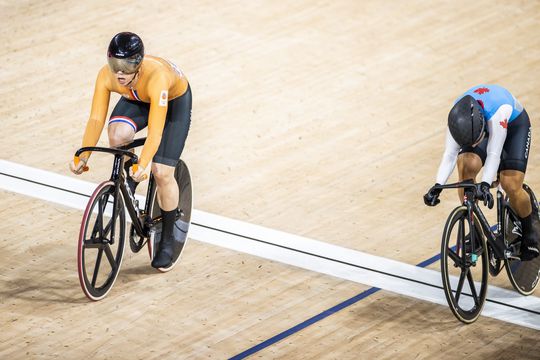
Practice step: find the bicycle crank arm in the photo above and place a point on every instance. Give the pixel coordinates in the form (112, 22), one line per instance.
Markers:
(499, 248)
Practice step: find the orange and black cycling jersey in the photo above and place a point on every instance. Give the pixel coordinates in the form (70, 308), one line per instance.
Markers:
(159, 81)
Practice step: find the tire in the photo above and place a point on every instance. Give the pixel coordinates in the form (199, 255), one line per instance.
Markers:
(97, 273)
(459, 269)
(183, 222)
(523, 275)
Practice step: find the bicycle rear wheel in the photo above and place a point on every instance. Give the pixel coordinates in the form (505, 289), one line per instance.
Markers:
(523, 275)
(464, 266)
(183, 222)
(101, 242)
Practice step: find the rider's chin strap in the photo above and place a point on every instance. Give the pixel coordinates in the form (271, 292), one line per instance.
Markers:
(136, 74)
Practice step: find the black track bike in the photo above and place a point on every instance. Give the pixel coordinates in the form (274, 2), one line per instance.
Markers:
(103, 227)
(471, 249)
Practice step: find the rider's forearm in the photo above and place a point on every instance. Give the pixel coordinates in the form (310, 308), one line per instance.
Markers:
(449, 159)
(91, 135)
(491, 167)
(151, 146)
(448, 163)
(100, 104)
(149, 150)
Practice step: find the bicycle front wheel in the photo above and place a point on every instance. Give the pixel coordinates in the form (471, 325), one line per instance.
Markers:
(464, 266)
(101, 242)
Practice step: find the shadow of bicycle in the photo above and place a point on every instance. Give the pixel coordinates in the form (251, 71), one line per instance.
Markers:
(39, 289)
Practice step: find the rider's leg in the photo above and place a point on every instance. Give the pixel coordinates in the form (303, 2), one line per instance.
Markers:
(127, 118)
(469, 165)
(121, 133)
(167, 195)
(512, 172)
(167, 187)
(512, 183)
(163, 166)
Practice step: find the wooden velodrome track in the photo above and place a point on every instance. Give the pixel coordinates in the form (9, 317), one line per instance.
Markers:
(322, 119)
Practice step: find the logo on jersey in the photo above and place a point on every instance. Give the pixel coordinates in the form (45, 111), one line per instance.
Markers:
(528, 144)
(163, 98)
(504, 123)
(481, 91)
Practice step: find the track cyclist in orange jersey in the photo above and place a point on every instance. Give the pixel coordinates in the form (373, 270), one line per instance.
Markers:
(487, 126)
(155, 93)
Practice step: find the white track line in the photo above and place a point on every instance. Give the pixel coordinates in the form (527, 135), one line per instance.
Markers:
(286, 248)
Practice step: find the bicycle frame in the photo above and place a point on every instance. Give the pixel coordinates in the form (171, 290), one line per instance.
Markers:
(495, 240)
(140, 223)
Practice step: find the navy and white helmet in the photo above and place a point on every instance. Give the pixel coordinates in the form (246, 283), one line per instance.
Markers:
(466, 121)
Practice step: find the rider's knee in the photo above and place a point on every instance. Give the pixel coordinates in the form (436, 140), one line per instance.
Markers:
(119, 135)
(511, 186)
(470, 168)
(162, 176)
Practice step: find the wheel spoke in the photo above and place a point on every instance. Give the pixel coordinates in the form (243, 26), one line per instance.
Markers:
(461, 237)
(98, 224)
(91, 244)
(108, 227)
(102, 205)
(95, 229)
(110, 257)
(460, 283)
(473, 288)
(112, 221)
(96, 269)
(455, 257)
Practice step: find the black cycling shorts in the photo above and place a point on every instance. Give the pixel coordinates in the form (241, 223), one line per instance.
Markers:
(516, 147)
(177, 122)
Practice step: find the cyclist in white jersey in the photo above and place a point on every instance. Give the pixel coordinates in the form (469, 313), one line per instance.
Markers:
(488, 127)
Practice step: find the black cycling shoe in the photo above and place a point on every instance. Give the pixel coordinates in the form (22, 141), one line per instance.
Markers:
(169, 250)
(165, 254)
(529, 249)
(529, 242)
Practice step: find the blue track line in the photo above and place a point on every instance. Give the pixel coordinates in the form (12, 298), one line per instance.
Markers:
(320, 316)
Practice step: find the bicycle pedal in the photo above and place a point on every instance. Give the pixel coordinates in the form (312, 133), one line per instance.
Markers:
(508, 254)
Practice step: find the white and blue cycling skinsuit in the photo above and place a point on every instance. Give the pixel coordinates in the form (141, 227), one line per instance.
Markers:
(506, 146)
